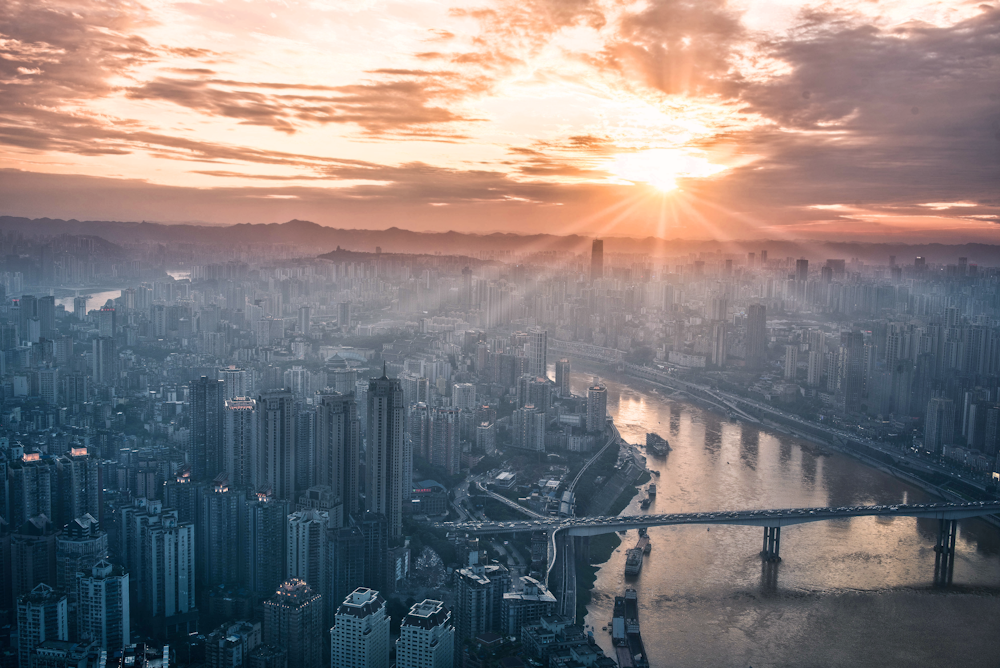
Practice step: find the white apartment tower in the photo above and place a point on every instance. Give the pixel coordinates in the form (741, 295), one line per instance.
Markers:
(360, 635)
(103, 606)
(426, 637)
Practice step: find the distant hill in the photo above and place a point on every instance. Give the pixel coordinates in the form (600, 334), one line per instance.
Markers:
(396, 240)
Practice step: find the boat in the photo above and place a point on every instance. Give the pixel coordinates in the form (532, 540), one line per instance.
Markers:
(633, 561)
(657, 445)
(630, 651)
(657, 473)
(644, 541)
(644, 504)
(652, 490)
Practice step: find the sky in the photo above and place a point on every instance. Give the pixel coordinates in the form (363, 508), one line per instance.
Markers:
(876, 120)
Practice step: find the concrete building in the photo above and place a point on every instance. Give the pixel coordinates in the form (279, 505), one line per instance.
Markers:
(102, 612)
(240, 441)
(307, 543)
(526, 606)
(385, 460)
(275, 466)
(338, 449)
(293, 620)
(426, 637)
(360, 636)
(41, 615)
(481, 588)
(563, 373)
(597, 407)
(536, 350)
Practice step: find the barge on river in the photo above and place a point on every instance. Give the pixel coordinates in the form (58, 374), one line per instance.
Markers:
(629, 649)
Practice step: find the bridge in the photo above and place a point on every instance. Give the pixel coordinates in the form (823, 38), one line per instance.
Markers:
(772, 521)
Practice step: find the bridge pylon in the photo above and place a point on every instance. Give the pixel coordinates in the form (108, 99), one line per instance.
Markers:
(772, 544)
(944, 559)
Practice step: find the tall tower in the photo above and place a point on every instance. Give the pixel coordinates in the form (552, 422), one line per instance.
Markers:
(597, 260)
(360, 636)
(536, 352)
(293, 619)
(305, 321)
(446, 450)
(105, 362)
(338, 448)
(103, 612)
(276, 443)
(307, 542)
(207, 403)
(41, 616)
(240, 441)
(756, 342)
(426, 637)
(239, 382)
(384, 466)
(563, 371)
(597, 407)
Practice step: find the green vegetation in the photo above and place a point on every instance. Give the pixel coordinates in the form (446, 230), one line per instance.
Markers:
(644, 478)
(422, 534)
(623, 500)
(499, 511)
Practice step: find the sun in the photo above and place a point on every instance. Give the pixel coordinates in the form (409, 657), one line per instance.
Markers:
(661, 167)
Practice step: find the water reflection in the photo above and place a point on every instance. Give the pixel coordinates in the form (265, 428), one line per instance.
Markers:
(853, 592)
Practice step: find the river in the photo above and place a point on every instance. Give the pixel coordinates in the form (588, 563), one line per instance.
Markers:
(852, 592)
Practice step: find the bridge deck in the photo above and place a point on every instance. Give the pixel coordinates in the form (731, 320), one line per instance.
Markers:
(589, 526)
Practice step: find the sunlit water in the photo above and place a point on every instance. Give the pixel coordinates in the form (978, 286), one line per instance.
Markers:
(96, 301)
(852, 592)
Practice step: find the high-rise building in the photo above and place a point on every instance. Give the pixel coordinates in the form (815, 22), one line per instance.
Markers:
(307, 544)
(756, 340)
(102, 613)
(79, 490)
(526, 606)
(107, 321)
(338, 448)
(207, 404)
(563, 372)
(536, 350)
(105, 361)
(597, 407)
(426, 637)
(346, 565)
(217, 535)
(597, 260)
(815, 369)
(80, 307)
(231, 644)
(305, 321)
(720, 347)
(167, 561)
(293, 620)
(852, 351)
(275, 465)
(33, 555)
(446, 450)
(791, 361)
(305, 446)
(939, 424)
(384, 463)
(238, 382)
(264, 544)
(481, 588)
(41, 615)
(239, 436)
(47, 316)
(801, 270)
(486, 438)
(463, 396)
(528, 428)
(360, 636)
(80, 545)
(344, 315)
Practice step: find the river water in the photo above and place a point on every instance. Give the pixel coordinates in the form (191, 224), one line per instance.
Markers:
(852, 592)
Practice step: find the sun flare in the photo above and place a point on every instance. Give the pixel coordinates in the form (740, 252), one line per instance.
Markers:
(661, 167)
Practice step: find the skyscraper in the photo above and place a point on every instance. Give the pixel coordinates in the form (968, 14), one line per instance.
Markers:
(217, 535)
(756, 341)
(305, 321)
(939, 424)
(463, 396)
(240, 441)
(791, 361)
(535, 350)
(384, 464)
(360, 636)
(105, 361)
(338, 448)
(238, 382)
(275, 465)
(597, 407)
(103, 605)
(801, 270)
(815, 369)
(263, 544)
(307, 544)
(207, 404)
(426, 637)
(481, 587)
(597, 260)
(446, 451)
(41, 616)
(720, 347)
(344, 315)
(293, 620)
(563, 372)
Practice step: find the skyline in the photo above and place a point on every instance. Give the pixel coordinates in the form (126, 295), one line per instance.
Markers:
(671, 119)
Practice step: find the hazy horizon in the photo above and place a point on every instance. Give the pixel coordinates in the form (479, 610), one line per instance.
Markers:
(719, 120)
